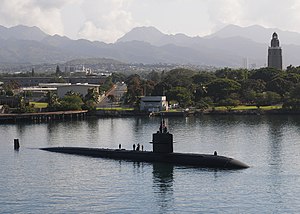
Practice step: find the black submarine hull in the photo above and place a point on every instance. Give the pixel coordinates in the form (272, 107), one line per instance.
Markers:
(189, 159)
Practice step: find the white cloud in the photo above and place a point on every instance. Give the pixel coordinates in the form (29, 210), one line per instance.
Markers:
(45, 14)
(268, 13)
(106, 20)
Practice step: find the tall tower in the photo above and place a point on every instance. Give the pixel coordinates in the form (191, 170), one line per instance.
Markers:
(274, 53)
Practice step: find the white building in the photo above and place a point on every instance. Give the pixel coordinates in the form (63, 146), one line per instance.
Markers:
(154, 103)
(77, 88)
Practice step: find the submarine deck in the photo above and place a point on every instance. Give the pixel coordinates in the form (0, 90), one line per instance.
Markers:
(190, 159)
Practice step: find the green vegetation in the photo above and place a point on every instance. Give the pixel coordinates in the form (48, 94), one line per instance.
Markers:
(107, 85)
(244, 108)
(224, 89)
(39, 104)
(228, 89)
(116, 109)
(73, 101)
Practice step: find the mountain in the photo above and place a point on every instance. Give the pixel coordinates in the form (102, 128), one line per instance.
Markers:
(22, 32)
(146, 34)
(227, 47)
(157, 38)
(258, 34)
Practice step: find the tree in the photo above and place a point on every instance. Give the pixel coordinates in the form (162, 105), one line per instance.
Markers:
(71, 102)
(293, 102)
(229, 103)
(92, 95)
(89, 105)
(293, 69)
(53, 101)
(253, 84)
(295, 93)
(134, 89)
(154, 76)
(107, 85)
(249, 89)
(265, 74)
(161, 88)
(118, 77)
(204, 103)
(279, 85)
(179, 78)
(148, 87)
(294, 78)
(91, 99)
(237, 75)
(23, 106)
(267, 98)
(203, 78)
(222, 88)
(182, 95)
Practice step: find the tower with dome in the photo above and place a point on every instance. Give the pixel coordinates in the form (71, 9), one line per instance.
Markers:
(275, 53)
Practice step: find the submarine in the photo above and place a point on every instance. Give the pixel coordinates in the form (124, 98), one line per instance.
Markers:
(162, 142)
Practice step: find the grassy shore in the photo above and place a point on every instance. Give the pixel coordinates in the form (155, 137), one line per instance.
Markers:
(241, 108)
(116, 109)
(39, 104)
(245, 108)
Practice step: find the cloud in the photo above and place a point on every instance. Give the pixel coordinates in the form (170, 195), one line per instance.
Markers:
(268, 13)
(45, 14)
(106, 20)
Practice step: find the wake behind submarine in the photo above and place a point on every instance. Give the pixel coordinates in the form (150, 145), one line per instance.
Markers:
(162, 142)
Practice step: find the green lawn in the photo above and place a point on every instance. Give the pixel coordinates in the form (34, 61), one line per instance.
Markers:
(242, 107)
(38, 104)
(218, 108)
(116, 109)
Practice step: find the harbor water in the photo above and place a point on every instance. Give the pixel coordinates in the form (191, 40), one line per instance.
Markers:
(36, 181)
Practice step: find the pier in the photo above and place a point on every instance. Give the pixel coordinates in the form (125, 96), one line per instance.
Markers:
(43, 116)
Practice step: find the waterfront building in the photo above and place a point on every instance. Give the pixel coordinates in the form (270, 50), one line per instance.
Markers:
(35, 81)
(77, 88)
(275, 53)
(154, 103)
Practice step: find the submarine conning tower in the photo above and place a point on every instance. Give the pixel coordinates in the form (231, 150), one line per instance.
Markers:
(162, 140)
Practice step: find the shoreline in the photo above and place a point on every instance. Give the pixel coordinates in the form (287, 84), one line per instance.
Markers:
(70, 115)
(43, 116)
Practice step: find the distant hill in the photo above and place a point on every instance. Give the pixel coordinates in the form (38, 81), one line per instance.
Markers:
(155, 37)
(227, 47)
(146, 34)
(258, 34)
(22, 32)
(93, 61)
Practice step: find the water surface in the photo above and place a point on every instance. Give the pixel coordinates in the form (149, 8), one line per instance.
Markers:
(35, 181)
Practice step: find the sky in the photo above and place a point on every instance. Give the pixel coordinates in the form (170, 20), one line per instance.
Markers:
(108, 20)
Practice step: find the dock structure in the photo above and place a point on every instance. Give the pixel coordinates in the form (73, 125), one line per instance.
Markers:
(43, 116)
